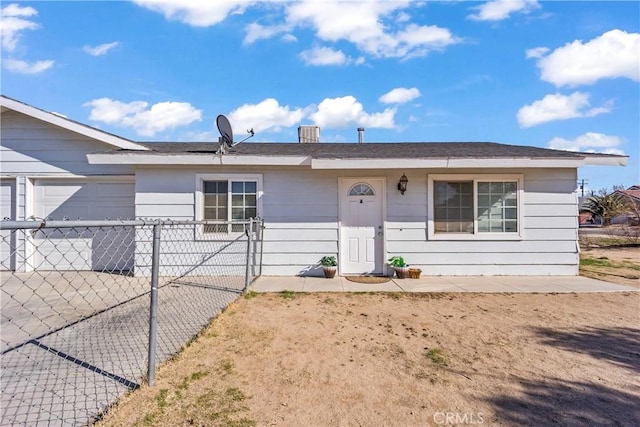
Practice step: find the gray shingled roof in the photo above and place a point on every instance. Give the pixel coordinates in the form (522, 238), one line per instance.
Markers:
(370, 150)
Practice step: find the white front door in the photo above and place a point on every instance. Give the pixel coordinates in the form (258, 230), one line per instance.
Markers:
(361, 225)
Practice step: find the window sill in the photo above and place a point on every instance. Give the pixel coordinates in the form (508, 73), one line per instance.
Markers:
(491, 237)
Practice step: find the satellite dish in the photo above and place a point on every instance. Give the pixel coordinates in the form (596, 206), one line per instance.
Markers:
(226, 134)
(224, 127)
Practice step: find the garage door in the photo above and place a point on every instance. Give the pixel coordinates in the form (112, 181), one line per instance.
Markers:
(88, 249)
(7, 211)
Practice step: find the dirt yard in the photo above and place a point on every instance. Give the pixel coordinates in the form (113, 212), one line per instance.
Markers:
(404, 360)
(612, 264)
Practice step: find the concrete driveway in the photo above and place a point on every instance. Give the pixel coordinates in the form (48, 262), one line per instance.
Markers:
(74, 342)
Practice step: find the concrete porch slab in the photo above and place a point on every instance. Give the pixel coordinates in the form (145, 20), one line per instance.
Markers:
(484, 284)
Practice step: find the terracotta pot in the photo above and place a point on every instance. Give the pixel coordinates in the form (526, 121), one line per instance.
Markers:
(330, 272)
(402, 272)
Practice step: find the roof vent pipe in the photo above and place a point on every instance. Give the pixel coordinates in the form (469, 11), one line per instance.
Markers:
(360, 135)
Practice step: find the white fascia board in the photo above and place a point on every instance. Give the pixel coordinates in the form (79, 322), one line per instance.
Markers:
(377, 163)
(516, 163)
(227, 159)
(605, 161)
(70, 125)
(199, 159)
(444, 163)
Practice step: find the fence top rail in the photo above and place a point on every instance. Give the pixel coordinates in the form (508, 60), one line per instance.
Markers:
(41, 223)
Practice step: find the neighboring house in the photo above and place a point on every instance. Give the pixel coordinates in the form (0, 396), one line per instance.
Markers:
(585, 217)
(470, 208)
(633, 195)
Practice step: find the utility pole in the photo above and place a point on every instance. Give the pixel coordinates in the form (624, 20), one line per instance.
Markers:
(582, 182)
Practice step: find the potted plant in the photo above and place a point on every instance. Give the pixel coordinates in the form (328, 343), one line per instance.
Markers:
(401, 267)
(329, 265)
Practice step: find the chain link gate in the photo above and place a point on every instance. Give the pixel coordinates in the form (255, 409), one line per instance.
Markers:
(90, 307)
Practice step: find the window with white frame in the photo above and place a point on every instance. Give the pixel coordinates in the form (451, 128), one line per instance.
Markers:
(475, 207)
(227, 199)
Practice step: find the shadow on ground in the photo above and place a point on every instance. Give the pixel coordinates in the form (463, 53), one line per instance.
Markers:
(620, 346)
(556, 402)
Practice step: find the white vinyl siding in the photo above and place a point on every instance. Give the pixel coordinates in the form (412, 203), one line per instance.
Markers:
(300, 209)
(548, 229)
(32, 147)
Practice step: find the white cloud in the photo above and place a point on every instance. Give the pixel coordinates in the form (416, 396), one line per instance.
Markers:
(289, 38)
(403, 17)
(324, 56)
(497, 10)
(361, 23)
(23, 67)
(331, 113)
(266, 115)
(612, 55)
(197, 13)
(589, 142)
(255, 31)
(100, 49)
(13, 23)
(347, 111)
(369, 25)
(365, 24)
(145, 121)
(558, 107)
(400, 95)
(537, 52)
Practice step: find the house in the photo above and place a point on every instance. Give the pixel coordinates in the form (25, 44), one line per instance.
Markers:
(469, 208)
(585, 216)
(633, 216)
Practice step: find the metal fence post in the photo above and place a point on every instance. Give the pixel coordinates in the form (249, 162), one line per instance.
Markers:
(260, 236)
(153, 305)
(247, 273)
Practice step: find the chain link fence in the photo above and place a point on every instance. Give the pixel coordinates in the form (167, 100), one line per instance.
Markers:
(89, 308)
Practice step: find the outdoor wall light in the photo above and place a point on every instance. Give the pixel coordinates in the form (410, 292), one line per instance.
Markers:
(402, 184)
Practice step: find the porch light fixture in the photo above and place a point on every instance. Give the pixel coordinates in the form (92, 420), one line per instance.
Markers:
(402, 184)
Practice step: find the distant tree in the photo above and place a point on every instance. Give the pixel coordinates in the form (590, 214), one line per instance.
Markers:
(608, 205)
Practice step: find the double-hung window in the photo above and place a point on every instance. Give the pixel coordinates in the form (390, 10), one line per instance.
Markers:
(475, 207)
(227, 201)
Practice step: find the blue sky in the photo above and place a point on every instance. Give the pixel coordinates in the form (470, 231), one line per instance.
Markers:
(548, 74)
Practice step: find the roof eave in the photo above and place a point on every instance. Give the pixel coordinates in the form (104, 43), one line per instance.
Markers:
(150, 158)
(447, 163)
(609, 160)
(200, 159)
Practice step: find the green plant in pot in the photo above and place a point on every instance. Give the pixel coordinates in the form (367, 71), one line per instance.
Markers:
(401, 267)
(329, 265)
